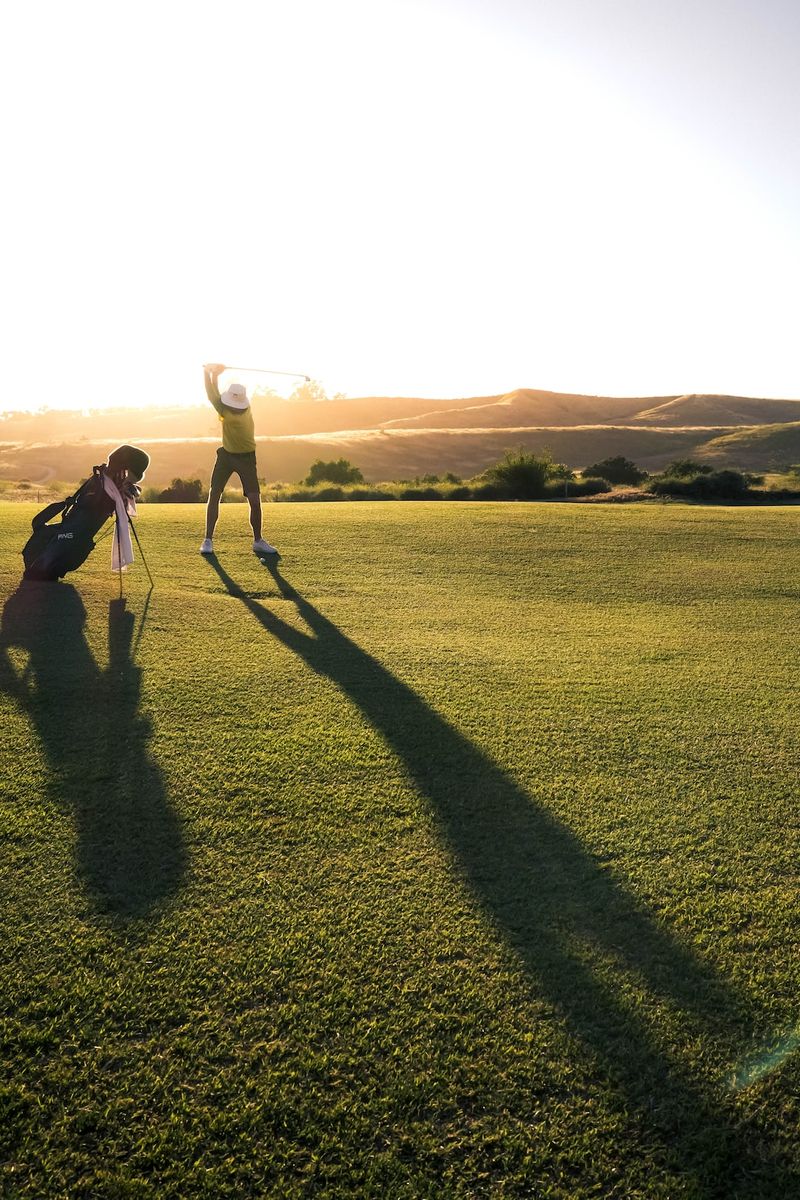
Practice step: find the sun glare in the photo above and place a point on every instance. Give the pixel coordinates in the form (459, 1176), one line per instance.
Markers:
(393, 199)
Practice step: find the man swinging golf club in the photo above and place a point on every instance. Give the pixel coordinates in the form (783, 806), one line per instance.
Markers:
(236, 454)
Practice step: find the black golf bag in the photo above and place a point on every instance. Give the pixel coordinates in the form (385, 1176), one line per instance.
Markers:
(54, 549)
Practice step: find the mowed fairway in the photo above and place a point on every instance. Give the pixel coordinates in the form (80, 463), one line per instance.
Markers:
(458, 857)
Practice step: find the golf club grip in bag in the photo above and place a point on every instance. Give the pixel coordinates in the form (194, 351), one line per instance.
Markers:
(53, 550)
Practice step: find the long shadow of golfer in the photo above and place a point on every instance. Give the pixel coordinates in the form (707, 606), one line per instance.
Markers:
(130, 850)
(552, 902)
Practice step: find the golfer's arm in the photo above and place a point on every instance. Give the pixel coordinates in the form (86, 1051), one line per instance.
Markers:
(212, 391)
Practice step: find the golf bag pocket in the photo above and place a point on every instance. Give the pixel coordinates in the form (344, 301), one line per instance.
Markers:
(37, 543)
(53, 550)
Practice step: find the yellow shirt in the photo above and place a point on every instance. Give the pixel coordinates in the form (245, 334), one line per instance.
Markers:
(238, 429)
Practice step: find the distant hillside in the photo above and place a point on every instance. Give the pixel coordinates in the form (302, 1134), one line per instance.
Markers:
(401, 437)
(381, 454)
(719, 410)
(273, 415)
(765, 448)
(524, 407)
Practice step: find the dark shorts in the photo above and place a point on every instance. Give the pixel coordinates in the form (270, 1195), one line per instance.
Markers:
(244, 465)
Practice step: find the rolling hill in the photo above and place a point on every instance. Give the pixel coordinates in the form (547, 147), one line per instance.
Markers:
(763, 446)
(400, 437)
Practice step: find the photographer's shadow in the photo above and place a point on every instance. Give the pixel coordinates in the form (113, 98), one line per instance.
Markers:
(130, 852)
(592, 951)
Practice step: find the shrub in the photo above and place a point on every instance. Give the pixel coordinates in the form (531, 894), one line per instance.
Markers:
(720, 485)
(298, 496)
(414, 493)
(715, 485)
(521, 476)
(340, 472)
(590, 487)
(451, 478)
(460, 493)
(369, 494)
(615, 470)
(779, 495)
(667, 485)
(558, 489)
(489, 491)
(686, 468)
(182, 491)
(306, 495)
(330, 493)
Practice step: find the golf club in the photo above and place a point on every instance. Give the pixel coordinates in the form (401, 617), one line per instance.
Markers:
(267, 371)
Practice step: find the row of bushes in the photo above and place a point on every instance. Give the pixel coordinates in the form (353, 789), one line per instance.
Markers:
(709, 485)
(519, 476)
(552, 490)
(687, 479)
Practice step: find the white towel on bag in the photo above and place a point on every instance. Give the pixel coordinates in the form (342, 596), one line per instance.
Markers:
(122, 550)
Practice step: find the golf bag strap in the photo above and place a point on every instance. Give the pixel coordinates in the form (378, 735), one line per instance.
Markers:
(63, 507)
(48, 513)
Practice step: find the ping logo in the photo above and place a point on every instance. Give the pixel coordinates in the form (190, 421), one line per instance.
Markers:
(61, 536)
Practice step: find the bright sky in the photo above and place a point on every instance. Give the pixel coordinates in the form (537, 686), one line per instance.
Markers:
(421, 197)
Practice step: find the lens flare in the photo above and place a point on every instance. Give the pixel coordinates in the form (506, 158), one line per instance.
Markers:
(763, 1063)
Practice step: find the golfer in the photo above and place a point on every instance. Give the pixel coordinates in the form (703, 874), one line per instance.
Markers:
(237, 454)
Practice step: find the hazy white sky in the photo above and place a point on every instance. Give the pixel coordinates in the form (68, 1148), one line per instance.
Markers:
(424, 197)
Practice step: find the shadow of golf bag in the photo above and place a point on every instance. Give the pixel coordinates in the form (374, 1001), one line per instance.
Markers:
(54, 549)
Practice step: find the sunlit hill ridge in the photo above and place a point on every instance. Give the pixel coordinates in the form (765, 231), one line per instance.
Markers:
(400, 437)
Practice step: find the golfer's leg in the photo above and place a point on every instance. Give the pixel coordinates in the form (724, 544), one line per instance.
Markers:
(219, 477)
(212, 510)
(254, 500)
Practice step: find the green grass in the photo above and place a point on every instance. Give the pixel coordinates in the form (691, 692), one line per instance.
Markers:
(458, 857)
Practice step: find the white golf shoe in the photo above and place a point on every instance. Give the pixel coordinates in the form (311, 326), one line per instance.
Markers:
(261, 547)
(206, 546)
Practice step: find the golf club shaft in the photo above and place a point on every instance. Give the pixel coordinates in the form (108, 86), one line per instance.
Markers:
(267, 371)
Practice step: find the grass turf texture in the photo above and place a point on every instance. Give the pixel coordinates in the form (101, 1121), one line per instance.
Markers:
(455, 857)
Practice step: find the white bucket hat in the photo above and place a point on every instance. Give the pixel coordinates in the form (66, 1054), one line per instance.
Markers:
(236, 396)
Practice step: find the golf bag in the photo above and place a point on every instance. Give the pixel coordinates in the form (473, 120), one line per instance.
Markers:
(54, 549)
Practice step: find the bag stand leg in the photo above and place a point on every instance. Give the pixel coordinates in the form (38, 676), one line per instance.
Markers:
(141, 551)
